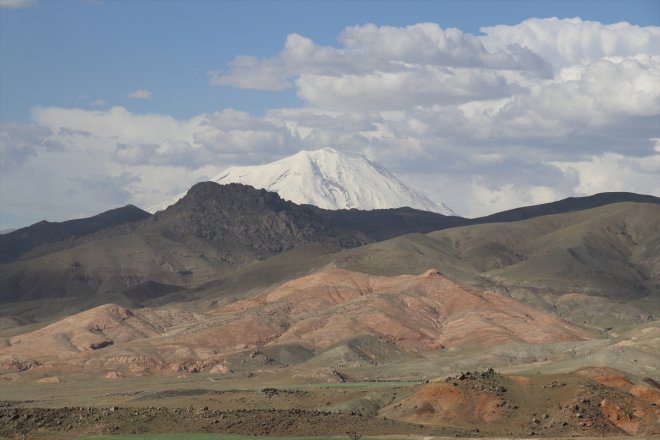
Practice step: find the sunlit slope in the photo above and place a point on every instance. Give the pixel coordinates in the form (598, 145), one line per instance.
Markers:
(611, 251)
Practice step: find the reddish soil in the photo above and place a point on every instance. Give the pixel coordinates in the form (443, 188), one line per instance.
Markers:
(414, 313)
(566, 404)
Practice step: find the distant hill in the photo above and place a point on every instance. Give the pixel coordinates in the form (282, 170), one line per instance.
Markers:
(228, 239)
(611, 250)
(599, 266)
(382, 224)
(570, 204)
(376, 224)
(214, 228)
(20, 241)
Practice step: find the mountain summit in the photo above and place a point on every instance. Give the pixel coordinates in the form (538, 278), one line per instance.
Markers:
(328, 179)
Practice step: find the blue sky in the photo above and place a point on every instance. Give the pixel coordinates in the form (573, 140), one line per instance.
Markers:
(69, 53)
(487, 106)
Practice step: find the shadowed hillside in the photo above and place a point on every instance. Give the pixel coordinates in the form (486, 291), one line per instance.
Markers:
(570, 204)
(213, 229)
(221, 242)
(21, 241)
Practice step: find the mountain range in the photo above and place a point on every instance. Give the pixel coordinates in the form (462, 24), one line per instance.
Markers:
(202, 245)
(235, 299)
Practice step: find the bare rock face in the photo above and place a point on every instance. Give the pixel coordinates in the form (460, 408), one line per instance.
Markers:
(257, 219)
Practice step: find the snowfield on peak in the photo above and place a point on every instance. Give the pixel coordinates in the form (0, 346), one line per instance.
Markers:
(328, 179)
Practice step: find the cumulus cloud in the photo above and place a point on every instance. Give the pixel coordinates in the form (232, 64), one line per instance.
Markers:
(417, 86)
(139, 94)
(568, 42)
(615, 172)
(117, 123)
(113, 190)
(235, 133)
(20, 142)
(428, 43)
(393, 56)
(521, 114)
(169, 153)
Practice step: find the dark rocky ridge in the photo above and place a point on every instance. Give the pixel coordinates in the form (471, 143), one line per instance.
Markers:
(383, 224)
(570, 204)
(24, 240)
(257, 219)
(226, 212)
(212, 230)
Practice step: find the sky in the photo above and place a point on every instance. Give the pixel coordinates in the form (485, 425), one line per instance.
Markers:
(482, 105)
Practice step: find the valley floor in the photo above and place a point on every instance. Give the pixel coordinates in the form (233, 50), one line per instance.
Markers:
(480, 404)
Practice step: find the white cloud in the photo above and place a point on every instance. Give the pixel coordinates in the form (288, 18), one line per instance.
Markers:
(544, 66)
(118, 123)
(485, 198)
(112, 190)
(615, 172)
(567, 42)
(15, 4)
(21, 142)
(372, 50)
(429, 44)
(523, 114)
(242, 138)
(418, 86)
(139, 94)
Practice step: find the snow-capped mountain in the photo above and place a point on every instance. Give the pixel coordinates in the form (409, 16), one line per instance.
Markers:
(328, 179)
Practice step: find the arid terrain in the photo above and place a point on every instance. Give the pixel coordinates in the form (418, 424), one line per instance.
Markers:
(194, 320)
(480, 403)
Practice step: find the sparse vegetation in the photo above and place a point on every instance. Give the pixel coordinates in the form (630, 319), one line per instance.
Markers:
(198, 436)
(165, 367)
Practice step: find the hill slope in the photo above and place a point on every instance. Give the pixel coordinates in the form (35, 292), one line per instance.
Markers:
(408, 313)
(211, 230)
(610, 251)
(570, 204)
(599, 266)
(21, 241)
(211, 244)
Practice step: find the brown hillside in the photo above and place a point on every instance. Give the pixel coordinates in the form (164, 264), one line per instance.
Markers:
(413, 313)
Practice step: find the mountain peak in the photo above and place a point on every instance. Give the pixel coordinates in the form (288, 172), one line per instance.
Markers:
(328, 179)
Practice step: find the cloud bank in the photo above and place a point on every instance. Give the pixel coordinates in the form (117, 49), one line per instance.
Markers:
(520, 114)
